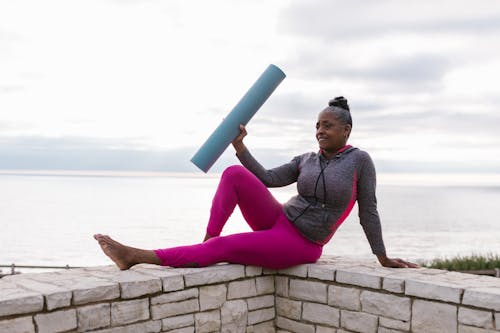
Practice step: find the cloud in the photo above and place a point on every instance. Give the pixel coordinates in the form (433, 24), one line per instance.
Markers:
(78, 153)
(85, 154)
(430, 119)
(415, 73)
(293, 105)
(4, 126)
(6, 89)
(414, 69)
(403, 72)
(9, 36)
(334, 20)
(465, 166)
(389, 46)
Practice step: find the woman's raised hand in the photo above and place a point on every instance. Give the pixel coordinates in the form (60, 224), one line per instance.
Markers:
(238, 144)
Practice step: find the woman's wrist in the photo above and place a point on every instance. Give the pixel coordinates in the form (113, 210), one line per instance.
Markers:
(239, 147)
(382, 258)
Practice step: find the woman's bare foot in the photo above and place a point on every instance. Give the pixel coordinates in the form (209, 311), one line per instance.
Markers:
(121, 255)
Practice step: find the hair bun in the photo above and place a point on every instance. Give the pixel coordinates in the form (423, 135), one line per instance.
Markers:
(340, 102)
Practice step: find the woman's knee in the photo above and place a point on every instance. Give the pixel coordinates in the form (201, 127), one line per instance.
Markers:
(236, 168)
(235, 172)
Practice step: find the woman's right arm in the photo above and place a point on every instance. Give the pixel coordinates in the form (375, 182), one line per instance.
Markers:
(280, 176)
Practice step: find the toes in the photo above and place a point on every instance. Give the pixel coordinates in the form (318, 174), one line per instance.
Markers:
(100, 237)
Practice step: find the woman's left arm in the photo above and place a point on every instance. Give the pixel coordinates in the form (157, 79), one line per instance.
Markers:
(369, 217)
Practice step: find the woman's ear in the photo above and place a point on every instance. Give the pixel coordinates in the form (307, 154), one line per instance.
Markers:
(348, 129)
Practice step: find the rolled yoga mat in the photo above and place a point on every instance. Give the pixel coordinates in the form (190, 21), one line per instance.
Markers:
(246, 108)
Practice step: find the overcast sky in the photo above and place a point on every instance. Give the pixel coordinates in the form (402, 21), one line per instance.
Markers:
(140, 85)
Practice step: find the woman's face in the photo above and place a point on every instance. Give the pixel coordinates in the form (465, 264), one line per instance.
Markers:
(330, 132)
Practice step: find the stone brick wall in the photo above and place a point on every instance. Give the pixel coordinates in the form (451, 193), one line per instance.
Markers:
(340, 295)
(334, 295)
(146, 298)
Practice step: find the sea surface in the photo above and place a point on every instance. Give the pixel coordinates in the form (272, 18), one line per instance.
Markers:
(48, 218)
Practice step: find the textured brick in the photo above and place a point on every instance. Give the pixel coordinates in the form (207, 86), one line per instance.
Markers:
(183, 330)
(212, 297)
(433, 317)
(477, 318)
(132, 283)
(172, 283)
(321, 272)
(214, 274)
(207, 321)
(261, 315)
(260, 302)
(172, 323)
(389, 330)
(251, 271)
(322, 329)
(171, 278)
(55, 296)
(471, 329)
(391, 306)
(321, 314)
(91, 317)
(85, 287)
(173, 309)
(88, 291)
(434, 290)
(358, 321)
(308, 290)
(175, 296)
(288, 308)
(241, 289)
(265, 285)
(299, 270)
(358, 278)
(393, 284)
(293, 326)
(234, 316)
(394, 324)
(488, 298)
(14, 301)
(281, 285)
(17, 325)
(144, 327)
(267, 327)
(344, 297)
(127, 312)
(58, 321)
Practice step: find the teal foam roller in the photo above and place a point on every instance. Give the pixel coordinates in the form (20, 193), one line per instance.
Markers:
(246, 108)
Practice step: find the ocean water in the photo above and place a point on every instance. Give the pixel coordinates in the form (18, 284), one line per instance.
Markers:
(48, 218)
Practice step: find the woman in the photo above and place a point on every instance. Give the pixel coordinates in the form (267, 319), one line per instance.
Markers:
(329, 183)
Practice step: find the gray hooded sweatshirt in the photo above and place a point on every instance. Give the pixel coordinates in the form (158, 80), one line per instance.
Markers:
(327, 191)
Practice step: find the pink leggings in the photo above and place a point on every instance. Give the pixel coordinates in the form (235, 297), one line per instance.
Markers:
(274, 242)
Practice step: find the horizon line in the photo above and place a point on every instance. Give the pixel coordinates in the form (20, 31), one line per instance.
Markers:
(438, 178)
